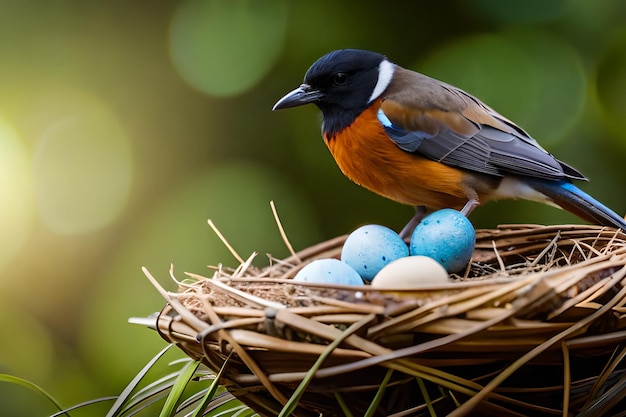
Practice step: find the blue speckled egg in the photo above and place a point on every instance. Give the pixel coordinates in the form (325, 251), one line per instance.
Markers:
(369, 248)
(329, 271)
(447, 236)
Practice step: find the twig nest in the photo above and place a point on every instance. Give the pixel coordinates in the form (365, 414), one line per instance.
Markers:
(411, 272)
(535, 300)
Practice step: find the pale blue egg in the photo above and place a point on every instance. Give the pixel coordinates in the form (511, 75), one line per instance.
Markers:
(447, 236)
(369, 248)
(329, 271)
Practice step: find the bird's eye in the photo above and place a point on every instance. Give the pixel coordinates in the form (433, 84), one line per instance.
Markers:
(340, 78)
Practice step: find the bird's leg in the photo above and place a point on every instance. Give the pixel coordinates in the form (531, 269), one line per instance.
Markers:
(420, 211)
(471, 204)
(407, 230)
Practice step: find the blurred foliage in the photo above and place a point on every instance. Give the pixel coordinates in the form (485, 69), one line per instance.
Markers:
(124, 126)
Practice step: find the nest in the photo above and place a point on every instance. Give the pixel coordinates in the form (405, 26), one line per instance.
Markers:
(535, 326)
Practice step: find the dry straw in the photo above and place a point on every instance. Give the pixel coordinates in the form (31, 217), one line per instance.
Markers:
(535, 326)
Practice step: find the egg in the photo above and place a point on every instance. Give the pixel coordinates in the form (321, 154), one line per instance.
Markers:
(410, 273)
(329, 271)
(447, 236)
(369, 248)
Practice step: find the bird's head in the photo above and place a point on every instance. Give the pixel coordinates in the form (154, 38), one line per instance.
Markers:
(342, 84)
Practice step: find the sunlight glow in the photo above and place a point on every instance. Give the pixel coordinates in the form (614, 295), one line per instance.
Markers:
(82, 167)
(16, 194)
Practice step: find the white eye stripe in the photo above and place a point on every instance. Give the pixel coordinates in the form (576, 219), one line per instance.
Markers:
(385, 72)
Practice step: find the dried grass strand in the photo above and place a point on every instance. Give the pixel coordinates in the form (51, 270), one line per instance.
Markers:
(281, 229)
(225, 242)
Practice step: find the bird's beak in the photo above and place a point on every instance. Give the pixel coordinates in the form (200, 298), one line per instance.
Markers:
(301, 95)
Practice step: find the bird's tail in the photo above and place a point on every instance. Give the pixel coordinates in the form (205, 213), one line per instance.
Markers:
(576, 201)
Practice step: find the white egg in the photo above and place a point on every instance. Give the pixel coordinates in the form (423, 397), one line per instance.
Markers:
(411, 272)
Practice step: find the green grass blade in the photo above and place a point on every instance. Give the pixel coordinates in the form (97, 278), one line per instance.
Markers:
(220, 400)
(245, 412)
(343, 405)
(427, 399)
(192, 399)
(186, 374)
(139, 407)
(143, 395)
(115, 409)
(235, 411)
(33, 387)
(379, 394)
(84, 404)
(292, 403)
(209, 394)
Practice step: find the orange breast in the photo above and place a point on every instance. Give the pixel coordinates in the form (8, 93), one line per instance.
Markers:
(367, 156)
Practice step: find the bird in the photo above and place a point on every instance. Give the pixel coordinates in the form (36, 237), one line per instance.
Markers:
(425, 143)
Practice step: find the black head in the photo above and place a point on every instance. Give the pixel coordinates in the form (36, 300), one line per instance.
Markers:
(342, 84)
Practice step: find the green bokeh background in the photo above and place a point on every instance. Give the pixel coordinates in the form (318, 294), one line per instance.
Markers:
(125, 126)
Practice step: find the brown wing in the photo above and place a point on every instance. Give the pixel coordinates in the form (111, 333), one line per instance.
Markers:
(443, 123)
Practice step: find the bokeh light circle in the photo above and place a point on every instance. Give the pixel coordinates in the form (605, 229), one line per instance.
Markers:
(562, 85)
(490, 67)
(82, 167)
(16, 193)
(223, 48)
(533, 78)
